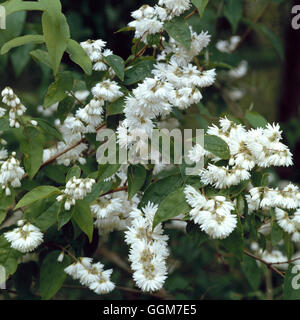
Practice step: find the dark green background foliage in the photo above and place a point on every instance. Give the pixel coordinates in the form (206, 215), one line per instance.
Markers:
(200, 269)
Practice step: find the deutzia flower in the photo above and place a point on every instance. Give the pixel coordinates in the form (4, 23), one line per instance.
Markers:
(176, 7)
(213, 214)
(91, 275)
(16, 108)
(107, 90)
(76, 189)
(148, 249)
(25, 238)
(11, 174)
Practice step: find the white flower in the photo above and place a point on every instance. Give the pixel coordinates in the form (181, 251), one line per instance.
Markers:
(196, 153)
(176, 7)
(11, 174)
(16, 108)
(91, 275)
(76, 189)
(25, 238)
(213, 215)
(107, 90)
(148, 249)
(240, 71)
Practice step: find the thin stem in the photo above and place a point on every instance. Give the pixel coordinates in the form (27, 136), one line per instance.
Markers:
(191, 14)
(52, 159)
(286, 262)
(73, 95)
(269, 265)
(124, 188)
(249, 29)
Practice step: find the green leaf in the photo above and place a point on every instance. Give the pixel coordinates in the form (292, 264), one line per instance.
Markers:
(83, 217)
(4, 124)
(41, 56)
(233, 11)
(200, 5)
(255, 119)
(64, 108)
(136, 176)
(13, 6)
(158, 190)
(75, 171)
(48, 128)
(117, 64)
(20, 58)
(63, 217)
(97, 190)
(179, 30)
(33, 151)
(20, 41)
(125, 29)
(48, 217)
(56, 173)
(196, 234)
(79, 56)
(234, 191)
(36, 194)
(52, 274)
(252, 272)
(2, 215)
(276, 233)
(291, 286)
(56, 34)
(116, 107)
(139, 72)
(288, 244)
(6, 201)
(8, 257)
(235, 242)
(217, 146)
(107, 170)
(57, 91)
(171, 206)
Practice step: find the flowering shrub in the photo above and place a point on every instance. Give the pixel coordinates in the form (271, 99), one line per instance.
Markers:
(59, 201)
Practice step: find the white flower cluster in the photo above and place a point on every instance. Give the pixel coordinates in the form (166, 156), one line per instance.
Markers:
(91, 275)
(150, 20)
(86, 120)
(213, 215)
(175, 84)
(256, 147)
(3, 151)
(76, 189)
(91, 114)
(71, 131)
(112, 212)
(148, 249)
(16, 108)
(228, 46)
(25, 238)
(96, 52)
(286, 203)
(11, 174)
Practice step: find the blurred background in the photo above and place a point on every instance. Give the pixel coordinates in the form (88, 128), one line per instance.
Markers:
(267, 81)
